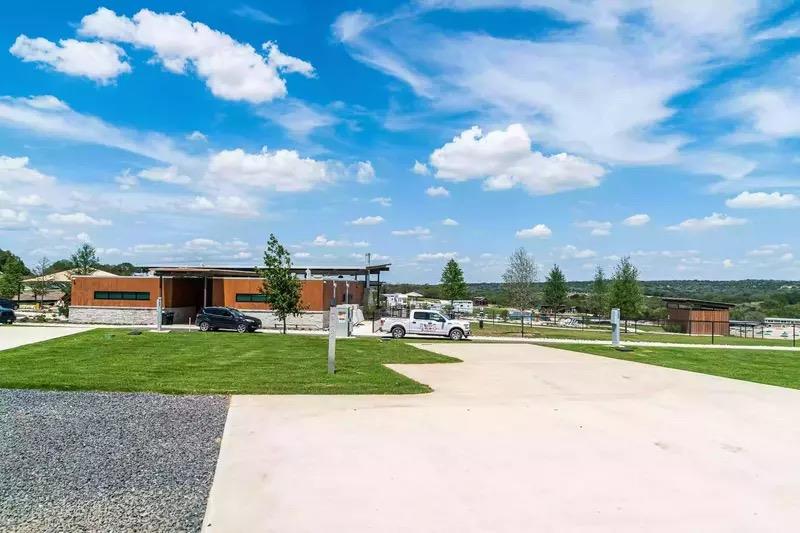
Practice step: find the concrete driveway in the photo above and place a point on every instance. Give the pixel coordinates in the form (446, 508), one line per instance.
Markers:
(13, 336)
(516, 438)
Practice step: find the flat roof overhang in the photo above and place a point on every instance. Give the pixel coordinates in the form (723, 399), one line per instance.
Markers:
(695, 304)
(249, 272)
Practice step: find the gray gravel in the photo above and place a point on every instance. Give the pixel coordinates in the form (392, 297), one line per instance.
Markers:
(86, 461)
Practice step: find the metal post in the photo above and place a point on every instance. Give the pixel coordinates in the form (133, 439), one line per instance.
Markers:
(159, 313)
(332, 326)
(794, 337)
(712, 331)
(615, 327)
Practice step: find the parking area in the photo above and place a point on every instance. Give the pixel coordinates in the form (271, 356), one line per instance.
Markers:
(13, 336)
(515, 438)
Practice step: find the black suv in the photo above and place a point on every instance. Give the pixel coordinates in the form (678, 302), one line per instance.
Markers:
(8, 304)
(7, 315)
(214, 318)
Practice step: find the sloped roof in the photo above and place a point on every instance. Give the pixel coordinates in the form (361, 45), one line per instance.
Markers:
(65, 276)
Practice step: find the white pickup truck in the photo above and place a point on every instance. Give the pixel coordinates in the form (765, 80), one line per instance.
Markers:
(426, 323)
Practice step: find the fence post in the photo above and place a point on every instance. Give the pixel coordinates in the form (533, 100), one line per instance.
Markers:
(794, 337)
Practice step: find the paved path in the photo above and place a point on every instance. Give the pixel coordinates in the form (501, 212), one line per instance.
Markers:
(516, 438)
(13, 336)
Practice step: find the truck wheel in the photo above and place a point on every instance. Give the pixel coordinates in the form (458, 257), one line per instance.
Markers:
(456, 334)
(398, 332)
(204, 326)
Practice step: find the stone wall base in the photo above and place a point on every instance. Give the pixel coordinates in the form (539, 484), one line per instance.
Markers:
(308, 320)
(134, 316)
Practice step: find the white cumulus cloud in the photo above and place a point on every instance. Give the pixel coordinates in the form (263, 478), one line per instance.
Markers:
(504, 159)
(232, 70)
(763, 200)
(365, 173)
(420, 169)
(98, 61)
(281, 170)
(366, 221)
(573, 252)
(637, 220)
(715, 220)
(598, 228)
(449, 222)
(435, 192)
(17, 170)
(539, 231)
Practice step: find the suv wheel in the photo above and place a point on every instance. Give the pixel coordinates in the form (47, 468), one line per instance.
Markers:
(204, 326)
(456, 334)
(398, 332)
(242, 328)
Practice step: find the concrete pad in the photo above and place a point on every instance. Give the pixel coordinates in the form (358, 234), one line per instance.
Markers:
(515, 438)
(13, 336)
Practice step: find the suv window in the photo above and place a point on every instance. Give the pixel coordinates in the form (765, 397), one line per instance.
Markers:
(213, 311)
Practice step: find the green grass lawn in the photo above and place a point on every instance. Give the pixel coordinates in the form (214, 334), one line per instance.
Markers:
(224, 363)
(781, 368)
(510, 330)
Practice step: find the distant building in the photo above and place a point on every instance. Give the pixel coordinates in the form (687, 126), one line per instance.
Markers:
(480, 301)
(774, 321)
(698, 317)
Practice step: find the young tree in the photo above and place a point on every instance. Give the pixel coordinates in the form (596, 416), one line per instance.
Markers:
(625, 292)
(598, 294)
(11, 276)
(41, 285)
(280, 286)
(555, 290)
(518, 282)
(452, 282)
(84, 260)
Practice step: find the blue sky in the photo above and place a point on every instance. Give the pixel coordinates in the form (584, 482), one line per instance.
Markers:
(184, 133)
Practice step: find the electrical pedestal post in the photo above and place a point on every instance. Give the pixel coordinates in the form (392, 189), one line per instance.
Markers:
(332, 327)
(615, 327)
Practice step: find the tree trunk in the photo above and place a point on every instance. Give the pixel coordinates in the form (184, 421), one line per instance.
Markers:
(284, 325)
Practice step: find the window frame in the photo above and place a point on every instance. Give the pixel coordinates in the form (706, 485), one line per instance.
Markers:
(246, 297)
(122, 296)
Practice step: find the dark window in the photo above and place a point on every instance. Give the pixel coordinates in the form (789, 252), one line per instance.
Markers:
(121, 295)
(422, 315)
(251, 297)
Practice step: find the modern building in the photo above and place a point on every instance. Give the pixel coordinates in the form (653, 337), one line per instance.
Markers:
(184, 290)
(698, 317)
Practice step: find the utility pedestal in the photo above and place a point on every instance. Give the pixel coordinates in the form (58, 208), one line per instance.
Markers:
(615, 327)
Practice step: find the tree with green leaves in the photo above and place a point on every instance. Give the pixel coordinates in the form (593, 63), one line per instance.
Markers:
(625, 292)
(11, 276)
(519, 281)
(453, 286)
(84, 260)
(598, 293)
(280, 286)
(554, 293)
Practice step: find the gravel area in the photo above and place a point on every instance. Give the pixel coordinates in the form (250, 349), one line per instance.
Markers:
(86, 461)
